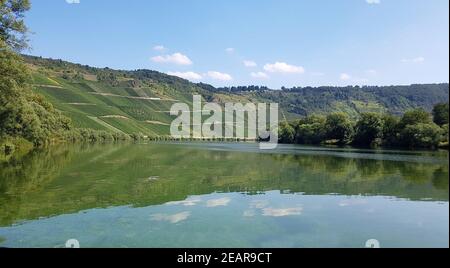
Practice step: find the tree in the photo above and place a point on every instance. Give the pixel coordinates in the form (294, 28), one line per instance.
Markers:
(310, 130)
(313, 119)
(440, 114)
(421, 135)
(310, 133)
(445, 133)
(287, 133)
(23, 113)
(339, 127)
(16, 116)
(12, 26)
(415, 116)
(390, 130)
(369, 130)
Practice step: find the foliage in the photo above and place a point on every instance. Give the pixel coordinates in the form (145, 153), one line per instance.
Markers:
(286, 133)
(23, 113)
(338, 126)
(369, 129)
(310, 130)
(413, 130)
(353, 100)
(414, 117)
(390, 130)
(440, 113)
(12, 26)
(421, 135)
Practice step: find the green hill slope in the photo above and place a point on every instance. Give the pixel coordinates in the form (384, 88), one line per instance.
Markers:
(139, 101)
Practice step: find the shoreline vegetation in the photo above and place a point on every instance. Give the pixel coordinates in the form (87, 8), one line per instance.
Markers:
(416, 129)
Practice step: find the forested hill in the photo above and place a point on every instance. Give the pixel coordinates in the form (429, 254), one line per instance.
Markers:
(351, 99)
(139, 101)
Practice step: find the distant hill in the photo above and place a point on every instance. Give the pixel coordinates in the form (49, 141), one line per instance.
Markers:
(354, 99)
(139, 101)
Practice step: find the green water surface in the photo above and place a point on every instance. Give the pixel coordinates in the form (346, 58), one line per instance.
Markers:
(224, 195)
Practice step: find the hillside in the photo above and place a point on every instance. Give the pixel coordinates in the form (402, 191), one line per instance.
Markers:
(139, 101)
(302, 101)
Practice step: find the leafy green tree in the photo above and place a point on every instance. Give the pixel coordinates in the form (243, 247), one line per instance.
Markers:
(390, 130)
(12, 26)
(310, 133)
(338, 126)
(440, 113)
(445, 133)
(415, 116)
(421, 135)
(369, 130)
(310, 130)
(286, 133)
(22, 112)
(313, 119)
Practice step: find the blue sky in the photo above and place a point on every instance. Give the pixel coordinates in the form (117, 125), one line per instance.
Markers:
(261, 42)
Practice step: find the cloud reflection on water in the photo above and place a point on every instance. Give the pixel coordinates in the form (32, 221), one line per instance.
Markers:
(172, 218)
(218, 202)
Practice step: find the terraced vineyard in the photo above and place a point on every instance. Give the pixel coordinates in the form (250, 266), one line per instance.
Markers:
(92, 104)
(139, 101)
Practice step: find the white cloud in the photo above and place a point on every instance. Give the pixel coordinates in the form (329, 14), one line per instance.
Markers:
(218, 202)
(159, 48)
(282, 67)
(260, 75)
(229, 50)
(176, 58)
(174, 218)
(373, 2)
(414, 60)
(186, 75)
(345, 77)
(250, 63)
(219, 76)
(72, 1)
(282, 212)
